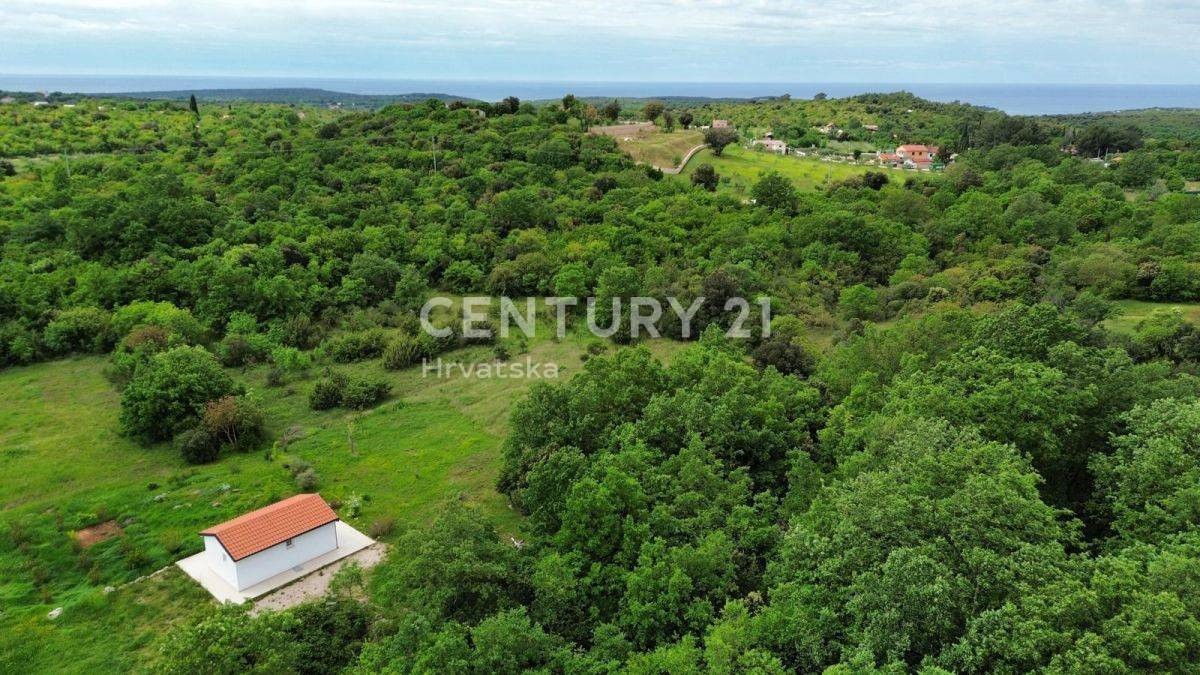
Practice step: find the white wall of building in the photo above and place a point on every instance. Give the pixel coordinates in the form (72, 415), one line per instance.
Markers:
(219, 560)
(281, 557)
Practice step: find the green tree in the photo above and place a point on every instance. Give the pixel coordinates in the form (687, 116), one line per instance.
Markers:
(229, 641)
(706, 177)
(775, 192)
(611, 110)
(653, 110)
(718, 139)
(858, 302)
(168, 393)
(1150, 481)
(933, 528)
(458, 569)
(1137, 170)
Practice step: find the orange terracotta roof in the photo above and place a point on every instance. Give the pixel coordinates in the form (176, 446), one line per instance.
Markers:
(259, 530)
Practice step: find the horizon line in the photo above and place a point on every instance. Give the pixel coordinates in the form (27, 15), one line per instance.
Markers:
(596, 81)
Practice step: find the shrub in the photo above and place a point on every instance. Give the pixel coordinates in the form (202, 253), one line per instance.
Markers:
(411, 289)
(431, 346)
(328, 634)
(858, 302)
(79, 329)
(196, 446)
(238, 349)
(168, 392)
(290, 360)
(234, 421)
(150, 338)
(299, 331)
(297, 465)
(171, 541)
(501, 352)
(176, 321)
(307, 480)
(382, 528)
(355, 346)
(462, 276)
(788, 356)
(18, 344)
(327, 392)
(142, 343)
(401, 352)
(362, 393)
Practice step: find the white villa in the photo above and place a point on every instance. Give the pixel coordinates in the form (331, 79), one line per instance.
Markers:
(261, 544)
(772, 145)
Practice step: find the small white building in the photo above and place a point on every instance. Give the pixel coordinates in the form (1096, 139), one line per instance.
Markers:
(772, 145)
(274, 539)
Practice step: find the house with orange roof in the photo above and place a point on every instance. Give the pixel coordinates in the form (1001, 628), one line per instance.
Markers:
(917, 156)
(260, 552)
(261, 544)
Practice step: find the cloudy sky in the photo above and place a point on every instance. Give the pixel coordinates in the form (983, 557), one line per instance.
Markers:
(1051, 41)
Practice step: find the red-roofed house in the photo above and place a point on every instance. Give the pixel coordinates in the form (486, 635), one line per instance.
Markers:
(920, 156)
(263, 543)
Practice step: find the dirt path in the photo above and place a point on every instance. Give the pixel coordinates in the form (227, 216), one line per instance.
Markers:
(316, 584)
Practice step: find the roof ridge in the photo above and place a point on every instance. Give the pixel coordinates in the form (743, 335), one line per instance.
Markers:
(273, 524)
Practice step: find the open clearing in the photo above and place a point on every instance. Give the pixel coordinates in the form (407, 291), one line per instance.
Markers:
(648, 144)
(739, 168)
(67, 468)
(90, 536)
(1132, 312)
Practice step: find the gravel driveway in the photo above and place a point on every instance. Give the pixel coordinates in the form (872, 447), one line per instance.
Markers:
(316, 584)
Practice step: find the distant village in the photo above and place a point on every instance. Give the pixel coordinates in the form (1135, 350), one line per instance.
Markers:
(911, 156)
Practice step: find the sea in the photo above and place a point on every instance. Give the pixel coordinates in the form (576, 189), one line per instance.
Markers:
(1015, 99)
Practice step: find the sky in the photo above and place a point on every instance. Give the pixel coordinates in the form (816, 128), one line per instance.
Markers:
(1014, 41)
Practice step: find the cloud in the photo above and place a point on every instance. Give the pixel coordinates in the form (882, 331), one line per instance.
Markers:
(727, 34)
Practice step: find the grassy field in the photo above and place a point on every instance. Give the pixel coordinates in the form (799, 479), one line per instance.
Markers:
(739, 168)
(67, 468)
(1131, 312)
(649, 145)
(848, 147)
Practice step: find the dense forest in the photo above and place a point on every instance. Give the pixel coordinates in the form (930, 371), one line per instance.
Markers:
(949, 455)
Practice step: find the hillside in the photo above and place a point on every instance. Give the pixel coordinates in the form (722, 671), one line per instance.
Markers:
(317, 97)
(437, 441)
(740, 168)
(803, 422)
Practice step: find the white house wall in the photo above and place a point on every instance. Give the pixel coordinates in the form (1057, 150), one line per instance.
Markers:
(279, 558)
(220, 562)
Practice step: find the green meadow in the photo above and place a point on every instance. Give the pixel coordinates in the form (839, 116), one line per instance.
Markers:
(739, 168)
(661, 149)
(67, 468)
(1132, 312)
